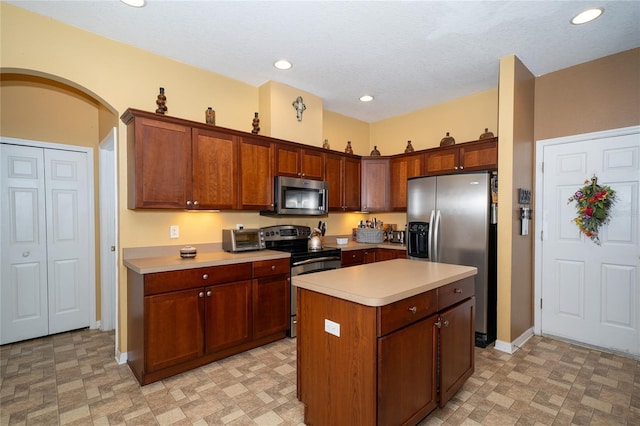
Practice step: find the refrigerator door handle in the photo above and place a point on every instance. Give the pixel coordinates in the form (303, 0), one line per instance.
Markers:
(436, 239)
(429, 239)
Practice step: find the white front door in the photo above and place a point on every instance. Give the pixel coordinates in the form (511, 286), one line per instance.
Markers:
(590, 293)
(24, 244)
(45, 219)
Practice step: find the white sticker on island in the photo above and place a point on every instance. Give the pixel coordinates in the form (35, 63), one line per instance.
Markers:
(332, 327)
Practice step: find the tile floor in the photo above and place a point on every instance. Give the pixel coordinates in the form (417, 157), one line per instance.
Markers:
(72, 378)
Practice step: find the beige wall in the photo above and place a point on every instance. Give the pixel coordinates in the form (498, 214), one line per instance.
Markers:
(598, 95)
(464, 118)
(339, 129)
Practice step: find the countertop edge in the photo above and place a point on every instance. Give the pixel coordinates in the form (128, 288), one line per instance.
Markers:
(202, 260)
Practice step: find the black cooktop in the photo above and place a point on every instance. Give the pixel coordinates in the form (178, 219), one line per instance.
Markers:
(294, 239)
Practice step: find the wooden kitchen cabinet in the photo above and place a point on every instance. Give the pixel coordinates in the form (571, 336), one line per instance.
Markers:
(179, 320)
(400, 170)
(271, 296)
(171, 165)
(390, 254)
(159, 163)
(227, 315)
(358, 257)
(414, 354)
(255, 180)
(215, 170)
(342, 174)
(375, 184)
(468, 156)
(298, 162)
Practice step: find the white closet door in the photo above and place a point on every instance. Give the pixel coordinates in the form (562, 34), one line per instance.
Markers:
(24, 247)
(67, 239)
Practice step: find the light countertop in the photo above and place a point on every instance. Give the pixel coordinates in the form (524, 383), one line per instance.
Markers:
(148, 265)
(378, 284)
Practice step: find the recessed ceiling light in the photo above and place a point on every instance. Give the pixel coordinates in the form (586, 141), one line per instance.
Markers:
(134, 3)
(282, 64)
(587, 16)
(366, 98)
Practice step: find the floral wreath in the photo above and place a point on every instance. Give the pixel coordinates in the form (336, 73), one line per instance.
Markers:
(593, 203)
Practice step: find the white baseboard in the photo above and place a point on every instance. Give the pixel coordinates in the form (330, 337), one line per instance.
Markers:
(121, 358)
(510, 348)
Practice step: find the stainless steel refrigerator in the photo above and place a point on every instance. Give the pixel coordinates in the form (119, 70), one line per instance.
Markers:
(451, 219)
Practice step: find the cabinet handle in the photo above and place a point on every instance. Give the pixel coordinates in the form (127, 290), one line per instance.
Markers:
(413, 310)
(201, 294)
(457, 290)
(196, 203)
(208, 293)
(445, 323)
(461, 167)
(273, 267)
(205, 276)
(189, 203)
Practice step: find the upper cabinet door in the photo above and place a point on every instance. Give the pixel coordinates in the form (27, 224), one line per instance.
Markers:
(298, 162)
(401, 169)
(255, 181)
(215, 170)
(375, 184)
(442, 161)
(479, 155)
(159, 171)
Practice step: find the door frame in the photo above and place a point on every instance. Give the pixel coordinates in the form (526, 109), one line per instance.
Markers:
(90, 192)
(108, 181)
(537, 217)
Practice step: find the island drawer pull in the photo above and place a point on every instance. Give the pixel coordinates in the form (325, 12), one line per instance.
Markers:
(205, 276)
(208, 293)
(413, 310)
(273, 267)
(457, 290)
(201, 294)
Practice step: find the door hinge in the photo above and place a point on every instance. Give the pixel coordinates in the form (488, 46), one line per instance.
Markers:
(542, 167)
(541, 239)
(541, 303)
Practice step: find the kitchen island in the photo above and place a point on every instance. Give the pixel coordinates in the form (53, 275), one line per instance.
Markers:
(383, 343)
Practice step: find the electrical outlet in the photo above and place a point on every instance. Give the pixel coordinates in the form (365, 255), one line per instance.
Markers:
(174, 231)
(239, 226)
(332, 327)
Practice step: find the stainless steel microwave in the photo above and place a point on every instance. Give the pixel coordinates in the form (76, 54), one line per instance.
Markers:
(299, 197)
(236, 240)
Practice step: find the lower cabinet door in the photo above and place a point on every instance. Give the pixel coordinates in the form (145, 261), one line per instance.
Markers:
(227, 315)
(271, 305)
(407, 373)
(457, 343)
(173, 328)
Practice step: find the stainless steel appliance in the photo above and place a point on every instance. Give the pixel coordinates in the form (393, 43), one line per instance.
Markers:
(299, 197)
(294, 239)
(449, 220)
(236, 240)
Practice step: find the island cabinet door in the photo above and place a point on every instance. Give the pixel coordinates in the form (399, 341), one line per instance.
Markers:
(173, 328)
(227, 315)
(407, 373)
(457, 356)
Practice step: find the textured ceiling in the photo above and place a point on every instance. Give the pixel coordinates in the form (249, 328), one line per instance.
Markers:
(409, 55)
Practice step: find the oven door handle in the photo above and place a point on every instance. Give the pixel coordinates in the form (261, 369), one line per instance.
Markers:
(316, 259)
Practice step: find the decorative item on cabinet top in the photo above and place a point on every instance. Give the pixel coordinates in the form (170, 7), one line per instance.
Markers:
(161, 102)
(348, 149)
(447, 140)
(325, 144)
(487, 134)
(210, 116)
(409, 148)
(375, 151)
(255, 124)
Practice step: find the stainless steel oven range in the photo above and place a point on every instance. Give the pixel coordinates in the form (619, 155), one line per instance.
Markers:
(294, 239)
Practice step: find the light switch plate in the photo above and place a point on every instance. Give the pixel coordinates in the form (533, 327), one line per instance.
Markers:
(332, 327)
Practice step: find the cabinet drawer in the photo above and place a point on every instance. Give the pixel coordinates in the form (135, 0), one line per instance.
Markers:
(404, 312)
(450, 294)
(353, 257)
(162, 282)
(266, 268)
